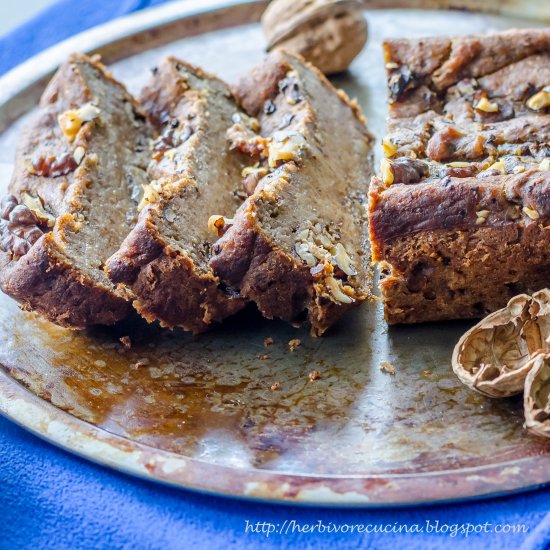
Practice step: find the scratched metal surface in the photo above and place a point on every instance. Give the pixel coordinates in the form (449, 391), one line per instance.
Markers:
(201, 413)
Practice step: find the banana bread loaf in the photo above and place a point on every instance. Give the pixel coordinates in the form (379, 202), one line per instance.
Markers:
(79, 172)
(460, 216)
(194, 176)
(298, 246)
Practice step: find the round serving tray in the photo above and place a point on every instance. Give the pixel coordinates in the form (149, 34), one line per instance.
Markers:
(199, 412)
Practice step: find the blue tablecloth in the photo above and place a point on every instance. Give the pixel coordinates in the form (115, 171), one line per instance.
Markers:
(50, 499)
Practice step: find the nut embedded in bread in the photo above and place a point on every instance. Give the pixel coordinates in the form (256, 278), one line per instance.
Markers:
(298, 246)
(194, 177)
(459, 217)
(79, 171)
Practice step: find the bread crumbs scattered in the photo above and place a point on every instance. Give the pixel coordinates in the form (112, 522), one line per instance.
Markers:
(293, 344)
(263, 357)
(387, 367)
(275, 387)
(126, 342)
(268, 341)
(314, 375)
(142, 363)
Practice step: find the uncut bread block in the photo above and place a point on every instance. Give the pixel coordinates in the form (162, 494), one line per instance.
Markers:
(460, 215)
(298, 246)
(194, 176)
(79, 172)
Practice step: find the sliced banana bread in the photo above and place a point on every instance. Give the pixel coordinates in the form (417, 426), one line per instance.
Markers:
(298, 246)
(79, 172)
(460, 215)
(194, 176)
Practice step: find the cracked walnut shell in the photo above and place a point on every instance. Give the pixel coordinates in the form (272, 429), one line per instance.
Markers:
(494, 357)
(537, 395)
(327, 33)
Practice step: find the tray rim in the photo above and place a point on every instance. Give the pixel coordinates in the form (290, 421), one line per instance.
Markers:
(85, 440)
(20, 405)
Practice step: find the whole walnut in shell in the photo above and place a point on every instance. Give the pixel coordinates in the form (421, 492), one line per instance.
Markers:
(328, 33)
(537, 395)
(494, 357)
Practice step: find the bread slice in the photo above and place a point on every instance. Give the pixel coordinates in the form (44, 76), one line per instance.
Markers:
(194, 176)
(79, 171)
(298, 246)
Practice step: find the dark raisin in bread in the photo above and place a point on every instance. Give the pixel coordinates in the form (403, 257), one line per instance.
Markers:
(79, 172)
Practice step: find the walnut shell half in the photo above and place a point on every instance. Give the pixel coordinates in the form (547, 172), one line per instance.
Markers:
(493, 357)
(537, 395)
(328, 33)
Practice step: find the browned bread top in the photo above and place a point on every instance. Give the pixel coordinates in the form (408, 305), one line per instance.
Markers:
(470, 123)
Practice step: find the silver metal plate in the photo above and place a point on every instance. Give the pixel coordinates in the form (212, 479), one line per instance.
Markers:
(201, 414)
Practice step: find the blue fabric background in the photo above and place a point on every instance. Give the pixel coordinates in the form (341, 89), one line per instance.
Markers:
(50, 499)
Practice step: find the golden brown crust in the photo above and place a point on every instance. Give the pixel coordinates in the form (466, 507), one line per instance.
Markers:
(44, 281)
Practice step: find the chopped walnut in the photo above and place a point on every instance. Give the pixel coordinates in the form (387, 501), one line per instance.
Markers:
(243, 136)
(263, 356)
(531, 213)
(78, 154)
(219, 224)
(385, 366)
(126, 341)
(252, 176)
(388, 147)
(338, 291)
(482, 216)
(459, 164)
(487, 106)
(386, 171)
(268, 342)
(314, 375)
(151, 194)
(19, 227)
(35, 205)
(52, 166)
(294, 344)
(285, 146)
(276, 386)
(498, 166)
(540, 100)
(71, 121)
